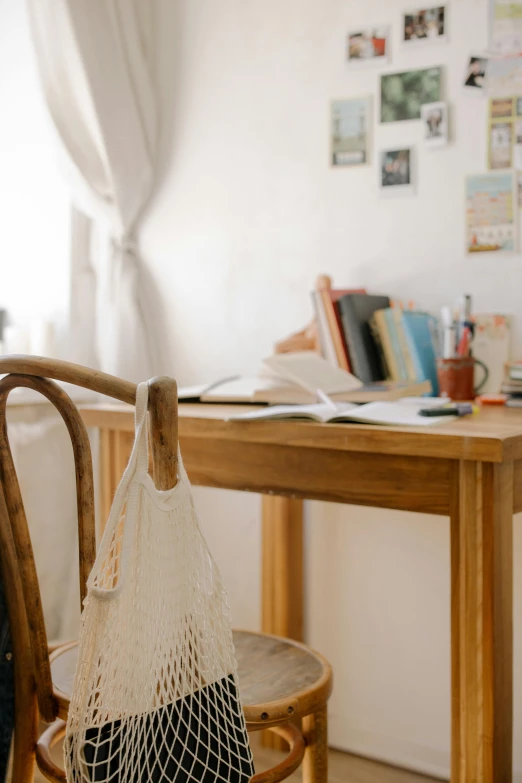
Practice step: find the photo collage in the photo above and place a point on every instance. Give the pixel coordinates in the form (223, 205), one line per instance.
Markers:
(495, 76)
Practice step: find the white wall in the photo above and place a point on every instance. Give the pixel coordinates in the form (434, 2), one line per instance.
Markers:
(34, 202)
(248, 212)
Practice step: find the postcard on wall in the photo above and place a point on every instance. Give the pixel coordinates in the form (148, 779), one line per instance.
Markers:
(369, 45)
(476, 75)
(421, 25)
(435, 124)
(505, 133)
(491, 212)
(403, 94)
(396, 171)
(350, 132)
(504, 76)
(505, 26)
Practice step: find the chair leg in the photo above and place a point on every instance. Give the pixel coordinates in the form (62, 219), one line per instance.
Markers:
(315, 763)
(24, 741)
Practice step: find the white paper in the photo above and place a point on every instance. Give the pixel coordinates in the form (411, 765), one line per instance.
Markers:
(505, 26)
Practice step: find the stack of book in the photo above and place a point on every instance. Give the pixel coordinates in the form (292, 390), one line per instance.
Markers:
(363, 334)
(512, 384)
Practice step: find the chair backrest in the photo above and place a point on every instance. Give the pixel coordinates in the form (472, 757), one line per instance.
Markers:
(30, 649)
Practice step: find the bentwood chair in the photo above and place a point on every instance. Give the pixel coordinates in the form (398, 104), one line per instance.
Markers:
(284, 685)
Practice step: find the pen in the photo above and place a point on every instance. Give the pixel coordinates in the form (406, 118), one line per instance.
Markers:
(326, 399)
(460, 409)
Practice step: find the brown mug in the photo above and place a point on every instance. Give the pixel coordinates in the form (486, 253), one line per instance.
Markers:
(456, 377)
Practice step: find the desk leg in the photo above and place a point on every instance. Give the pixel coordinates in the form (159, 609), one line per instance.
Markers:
(115, 449)
(282, 575)
(482, 622)
(282, 571)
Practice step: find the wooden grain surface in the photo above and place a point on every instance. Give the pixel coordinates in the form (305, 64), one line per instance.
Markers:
(492, 435)
(278, 678)
(482, 622)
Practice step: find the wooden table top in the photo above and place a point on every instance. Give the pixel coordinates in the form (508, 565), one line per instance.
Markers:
(494, 434)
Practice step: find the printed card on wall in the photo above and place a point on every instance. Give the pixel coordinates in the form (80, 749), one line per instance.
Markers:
(491, 212)
(505, 133)
(504, 76)
(505, 26)
(350, 135)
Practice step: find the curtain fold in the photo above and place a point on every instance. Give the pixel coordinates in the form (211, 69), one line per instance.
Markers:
(95, 75)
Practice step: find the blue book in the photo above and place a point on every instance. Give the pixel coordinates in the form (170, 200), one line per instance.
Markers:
(419, 328)
(395, 344)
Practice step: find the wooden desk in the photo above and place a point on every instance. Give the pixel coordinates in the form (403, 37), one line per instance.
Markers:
(469, 470)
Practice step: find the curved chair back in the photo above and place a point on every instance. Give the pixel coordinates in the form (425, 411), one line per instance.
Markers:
(29, 639)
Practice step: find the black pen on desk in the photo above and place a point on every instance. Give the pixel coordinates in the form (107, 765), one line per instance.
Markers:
(459, 409)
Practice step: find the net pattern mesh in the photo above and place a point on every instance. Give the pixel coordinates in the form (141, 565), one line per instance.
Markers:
(155, 696)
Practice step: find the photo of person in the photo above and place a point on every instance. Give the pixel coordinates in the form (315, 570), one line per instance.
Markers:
(425, 24)
(435, 119)
(395, 172)
(475, 77)
(368, 45)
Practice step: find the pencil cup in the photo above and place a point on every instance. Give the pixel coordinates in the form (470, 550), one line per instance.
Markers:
(457, 377)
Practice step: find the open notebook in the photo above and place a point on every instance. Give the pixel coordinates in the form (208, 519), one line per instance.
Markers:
(399, 413)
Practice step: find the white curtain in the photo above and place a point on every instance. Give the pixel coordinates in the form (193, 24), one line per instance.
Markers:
(92, 59)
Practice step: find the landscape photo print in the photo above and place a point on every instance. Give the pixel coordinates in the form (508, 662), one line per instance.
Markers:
(403, 94)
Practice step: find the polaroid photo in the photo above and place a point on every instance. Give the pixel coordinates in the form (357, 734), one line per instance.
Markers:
(475, 77)
(368, 46)
(396, 174)
(425, 25)
(350, 138)
(435, 124)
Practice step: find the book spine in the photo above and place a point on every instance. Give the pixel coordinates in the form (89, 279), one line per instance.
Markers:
(350, 329)
(325, 338)
(379, 342)
(396, 346)
(343, 338)
(334, 330)
(411, 372)
(415, 357)
(389, 348)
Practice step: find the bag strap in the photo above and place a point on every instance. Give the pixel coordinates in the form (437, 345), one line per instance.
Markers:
(137, 464)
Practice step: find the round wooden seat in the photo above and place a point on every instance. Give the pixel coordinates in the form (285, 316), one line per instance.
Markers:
(279, 679)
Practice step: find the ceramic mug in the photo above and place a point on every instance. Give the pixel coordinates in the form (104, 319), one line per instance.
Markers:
(456, 377)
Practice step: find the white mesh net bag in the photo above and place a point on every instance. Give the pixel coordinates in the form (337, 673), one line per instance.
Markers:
(155, 697)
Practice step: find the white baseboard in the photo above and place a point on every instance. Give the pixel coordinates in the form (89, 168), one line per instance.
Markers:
(343, 734)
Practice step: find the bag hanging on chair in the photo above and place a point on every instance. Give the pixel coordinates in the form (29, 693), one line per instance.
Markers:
(155, 697)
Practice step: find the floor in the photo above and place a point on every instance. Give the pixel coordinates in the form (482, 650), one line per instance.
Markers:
(343, 768)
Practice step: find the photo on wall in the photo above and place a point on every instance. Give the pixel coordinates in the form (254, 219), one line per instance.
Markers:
(370, 45)
(396, 171)
(403, 94)
(424, 24)
(505, 133)
(491, 212)
(476, 75)
(435, 124)
(350, 134)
